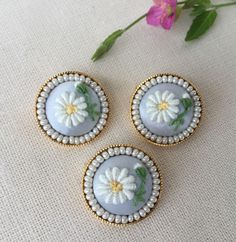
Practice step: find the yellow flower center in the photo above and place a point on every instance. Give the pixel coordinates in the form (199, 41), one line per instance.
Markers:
(116, 186)
(70, 109)
(163, 106)
(169, 10)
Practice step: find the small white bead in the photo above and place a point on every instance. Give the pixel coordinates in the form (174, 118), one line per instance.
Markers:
(156, 181)
(140, 155)
(153, 199)
(124, 220)
(175, 80)
(146, 209)
(170, 79)
(111, 152)
(100, 212)
(65, 140)
(159, 79)
(50, 85)
(159, 140)
(141, 92)
(103, 98)
(193, 125)
(130, 218)
(150, 163)
(170, 140)
(82, 78)
(90, 196)
(92, 135)
(71, 77)
(122, 150)
(66, 77)
(144, 131)
(87, 190)
(87, 80)
(96, 207)
(93, 202)
(90, 173)
(153, 81)
(153, 137)
(144, 88)
(105, 155)
(148, 135)
(92, 167)
(180, 82)
(181, 136)
(47, 90)
(105, 110)
(142, 213)
(88, 184)
(164, 140)
(135, 152)
(128, 151)
(43, 122)
(195, 120)
(71, 140)
(99, 158)
(95, 163)
(145, 158)
(60, 79)
(150, 204)
(136, 216)
(111, 218)
(190, 88)
(176, 138)
(46, 127)
(50, 132)
(88, 178)
(155, 174)
(105, 215)
(118, 219)
(155, 193)
(164, 79)
(59, 138)
(82, 139)
(117, 151)
(41, 100)
(153, 168)
(55, 82)
(185, 85)
(96, 131)
(55, 135)
(99, 126)
(185, 133)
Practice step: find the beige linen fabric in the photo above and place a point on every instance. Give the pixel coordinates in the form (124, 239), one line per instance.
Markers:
(40, 181)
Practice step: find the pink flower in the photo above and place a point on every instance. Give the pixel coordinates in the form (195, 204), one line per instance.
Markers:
(162, 13)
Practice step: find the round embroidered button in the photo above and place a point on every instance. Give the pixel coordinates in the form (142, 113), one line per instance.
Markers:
(166, 109)
(121, 184)
(71, 108)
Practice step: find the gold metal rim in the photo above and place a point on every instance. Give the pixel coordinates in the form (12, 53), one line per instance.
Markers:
(88, 207)
(180, 77)
(38, 121)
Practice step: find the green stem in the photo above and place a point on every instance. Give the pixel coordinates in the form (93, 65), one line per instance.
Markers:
(223, 5)
(135, 21)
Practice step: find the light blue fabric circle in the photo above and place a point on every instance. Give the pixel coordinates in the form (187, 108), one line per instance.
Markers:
(122, 161)
(80, 129)
(164, 129)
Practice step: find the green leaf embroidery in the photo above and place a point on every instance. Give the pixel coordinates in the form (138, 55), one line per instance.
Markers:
(139, 194)
(91, 107)
(106, 45)
(201, 24)
(187, 104)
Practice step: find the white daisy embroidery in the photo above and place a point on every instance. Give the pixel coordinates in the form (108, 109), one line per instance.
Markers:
(162, 107)
(116, 185)
(70, 109)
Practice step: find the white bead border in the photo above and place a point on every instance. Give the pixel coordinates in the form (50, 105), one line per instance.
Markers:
(144, 131)
(91, 169)
(40, 108)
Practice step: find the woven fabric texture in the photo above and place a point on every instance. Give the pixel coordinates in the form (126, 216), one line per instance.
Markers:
(40, 181)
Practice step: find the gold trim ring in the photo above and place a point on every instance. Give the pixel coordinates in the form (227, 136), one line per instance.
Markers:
(40, 108)
(87, 185)
(142, 89)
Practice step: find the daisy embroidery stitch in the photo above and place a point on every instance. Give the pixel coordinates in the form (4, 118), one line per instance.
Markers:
(71, 109)
(162, 107)
(116, 185)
